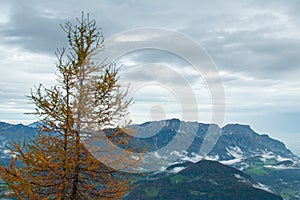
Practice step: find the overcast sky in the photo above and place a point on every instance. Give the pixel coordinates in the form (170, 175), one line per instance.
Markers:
(255, 45)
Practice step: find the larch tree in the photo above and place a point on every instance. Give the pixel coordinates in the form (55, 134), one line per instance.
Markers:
(87, 99)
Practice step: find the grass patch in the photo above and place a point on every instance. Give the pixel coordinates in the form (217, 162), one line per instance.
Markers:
(152, 192)
(177, 179)
(196, 193)
(287, 194)
(270, 162)
(195, 179)
(257, 171)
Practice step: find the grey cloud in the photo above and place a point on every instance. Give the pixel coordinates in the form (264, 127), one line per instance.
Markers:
(36, 26)
(250, 52)
(33, 32)
(255, 42)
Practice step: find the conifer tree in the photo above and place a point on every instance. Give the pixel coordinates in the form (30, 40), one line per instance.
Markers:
(86, 99)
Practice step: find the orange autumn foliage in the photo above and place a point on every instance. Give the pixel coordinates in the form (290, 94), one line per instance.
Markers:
(57, 164)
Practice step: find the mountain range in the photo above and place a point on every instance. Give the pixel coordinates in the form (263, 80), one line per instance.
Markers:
(235, 157)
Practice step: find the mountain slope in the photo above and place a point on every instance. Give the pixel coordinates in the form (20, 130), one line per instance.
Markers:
(248, 142)
(12, 133)
(237, 145)
(201, 180)
(267, 160)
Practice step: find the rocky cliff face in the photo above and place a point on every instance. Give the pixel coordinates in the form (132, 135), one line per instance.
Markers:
(208, 139)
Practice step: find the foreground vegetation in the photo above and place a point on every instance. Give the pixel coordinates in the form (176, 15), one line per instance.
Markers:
(57, 164)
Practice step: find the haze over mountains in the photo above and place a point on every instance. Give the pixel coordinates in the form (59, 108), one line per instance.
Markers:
(173, 146)
(267, 160)
(201, 180)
